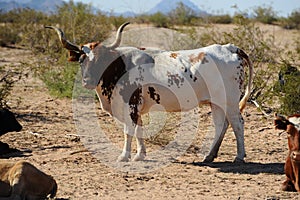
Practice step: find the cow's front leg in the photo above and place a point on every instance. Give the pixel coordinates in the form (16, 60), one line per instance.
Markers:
(141, 149)
(125, 155)
(288, 186)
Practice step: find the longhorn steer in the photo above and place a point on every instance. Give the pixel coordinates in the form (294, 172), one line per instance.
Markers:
(291, 125)
(130, 81)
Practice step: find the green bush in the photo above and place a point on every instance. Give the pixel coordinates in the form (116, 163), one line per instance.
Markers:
(159, 20)
(60, 81)
(7, 80)
(287, 89)
(182, 15)
(265, 15)
(9, 35)
(220, 19)
(293, 21)
(15, 22)
(6, 84)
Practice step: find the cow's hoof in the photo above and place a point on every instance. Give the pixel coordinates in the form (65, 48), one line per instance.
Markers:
(288, 186)
(122, 158)
(208, 159)
(238, 160)
(139, 157)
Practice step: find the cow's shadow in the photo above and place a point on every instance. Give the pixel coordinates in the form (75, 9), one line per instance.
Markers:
(7, 152)
(244, 168)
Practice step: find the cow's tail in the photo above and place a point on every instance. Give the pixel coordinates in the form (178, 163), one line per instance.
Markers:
(246, 96)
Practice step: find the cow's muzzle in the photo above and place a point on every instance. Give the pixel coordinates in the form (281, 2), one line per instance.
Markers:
(295, 156)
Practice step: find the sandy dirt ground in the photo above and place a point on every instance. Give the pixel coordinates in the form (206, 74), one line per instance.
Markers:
(52, 141)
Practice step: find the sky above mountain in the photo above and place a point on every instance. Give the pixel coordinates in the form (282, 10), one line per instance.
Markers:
(282, 7)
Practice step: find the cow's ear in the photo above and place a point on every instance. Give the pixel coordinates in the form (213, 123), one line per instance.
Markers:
(74, 56)
(280, 122)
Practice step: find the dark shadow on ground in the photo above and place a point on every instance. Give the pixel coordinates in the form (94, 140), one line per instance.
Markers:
(243, 168)
(11, 153)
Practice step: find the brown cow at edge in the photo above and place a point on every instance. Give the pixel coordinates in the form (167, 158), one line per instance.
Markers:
(291, 125)
(22, 180)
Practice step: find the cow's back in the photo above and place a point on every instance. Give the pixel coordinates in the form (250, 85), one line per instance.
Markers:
(184, 79)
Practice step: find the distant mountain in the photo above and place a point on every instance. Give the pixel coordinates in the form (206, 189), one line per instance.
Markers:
(46, 6)
(166, 6)
(123, 14)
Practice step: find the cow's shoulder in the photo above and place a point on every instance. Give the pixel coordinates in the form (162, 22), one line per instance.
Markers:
(134, 57)
(5, 167)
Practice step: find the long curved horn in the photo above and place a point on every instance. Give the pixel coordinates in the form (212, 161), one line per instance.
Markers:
(66, 44)
(117, 42)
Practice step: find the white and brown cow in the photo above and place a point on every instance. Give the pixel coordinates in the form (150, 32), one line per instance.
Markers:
(131, 82)
(21, 180)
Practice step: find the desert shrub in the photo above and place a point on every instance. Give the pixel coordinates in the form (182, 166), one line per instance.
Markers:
(265, 14)
(287, 88)
(9, 35)
(182, 15)
(60, 80)
(293, 21)
(220, 19)
(159, 20)
(14, 22)
(6, 84)
(117, 21)
(7, 80)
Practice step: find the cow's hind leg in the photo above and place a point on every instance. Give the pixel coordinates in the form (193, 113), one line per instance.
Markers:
(237, 122)
(221, 125)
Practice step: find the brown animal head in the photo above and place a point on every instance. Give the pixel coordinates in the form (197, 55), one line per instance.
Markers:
(8, 122)
(94, 57)
(291, 125)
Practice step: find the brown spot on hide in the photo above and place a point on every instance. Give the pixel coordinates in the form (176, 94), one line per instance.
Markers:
(134, 102)
(92, 45)
(174, 55)
(198, 58)
(153, 95)
(175, 79)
